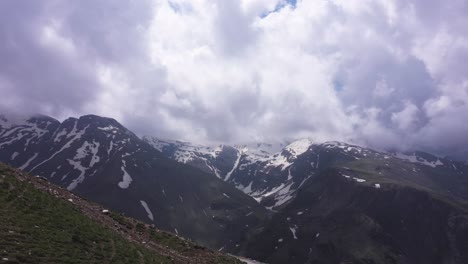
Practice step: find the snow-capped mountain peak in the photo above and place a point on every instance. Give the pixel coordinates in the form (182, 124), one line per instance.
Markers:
(298, 147)
(258, 169)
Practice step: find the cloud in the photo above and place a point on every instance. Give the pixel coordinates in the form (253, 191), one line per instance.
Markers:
(386, 73)
(407, 119)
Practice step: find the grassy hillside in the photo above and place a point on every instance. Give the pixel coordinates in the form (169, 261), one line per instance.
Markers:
(42, 223)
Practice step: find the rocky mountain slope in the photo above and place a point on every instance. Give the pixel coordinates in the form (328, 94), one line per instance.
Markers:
(101, 160)
(336, 202)
(43, 223)
(363, 211)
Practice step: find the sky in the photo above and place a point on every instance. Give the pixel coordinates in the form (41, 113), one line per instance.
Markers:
(381, 73)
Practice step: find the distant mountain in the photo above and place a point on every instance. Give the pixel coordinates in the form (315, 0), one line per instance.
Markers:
(42, 223)
(335, 202)
(101, 160)
(258, 169)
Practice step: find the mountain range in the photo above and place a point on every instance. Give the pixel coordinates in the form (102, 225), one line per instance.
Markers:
(302, 202)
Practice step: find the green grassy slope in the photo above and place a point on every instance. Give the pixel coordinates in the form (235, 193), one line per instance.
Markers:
(39, 224)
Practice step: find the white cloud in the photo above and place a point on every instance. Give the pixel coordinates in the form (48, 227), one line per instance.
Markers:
(407, 119)
(382, 89)
(382, 72)
(50, 36)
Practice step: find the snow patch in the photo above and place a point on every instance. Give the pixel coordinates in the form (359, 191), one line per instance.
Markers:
(60, 134)
(236, 164)
(298, 147)
(284, 195)
(126, 179)
(248, 189)
(293, 231)
(86, 149)
(279, 160)
(25, 165)
(416, 159)
(359, 180)
(77, 166)
(275, 190)
(111, 146)
(147, 209)
(14, 155)
(289, 174)
(354, 178)
(64, 177)
(247, 261)
(108, 128)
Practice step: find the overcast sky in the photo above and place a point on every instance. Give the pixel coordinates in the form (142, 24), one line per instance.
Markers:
(377, 72)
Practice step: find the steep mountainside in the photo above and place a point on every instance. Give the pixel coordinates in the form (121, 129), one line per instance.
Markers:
(357, 215)
(101, 160)
(43, 223)
(340, 203)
